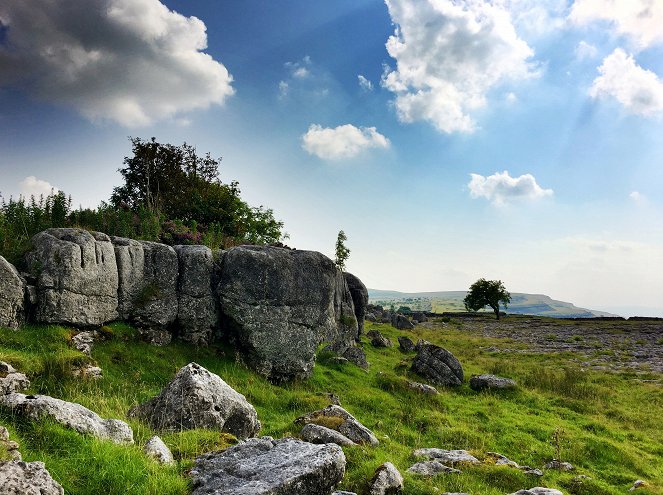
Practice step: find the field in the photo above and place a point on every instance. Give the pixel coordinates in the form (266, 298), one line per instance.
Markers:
(605, 421)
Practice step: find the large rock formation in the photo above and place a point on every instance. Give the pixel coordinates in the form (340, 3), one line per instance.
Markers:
(76, 277)
(438, 365)
(68, 414)
(147, 293)
(196, 398)
(197, 314)
(27, 478)
(359, 294)
(263, 466)
(278, 305)
(12, 296)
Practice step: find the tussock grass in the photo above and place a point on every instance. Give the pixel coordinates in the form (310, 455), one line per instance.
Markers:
(608, 425)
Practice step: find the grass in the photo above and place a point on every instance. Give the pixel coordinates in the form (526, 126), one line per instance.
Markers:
(608, 425)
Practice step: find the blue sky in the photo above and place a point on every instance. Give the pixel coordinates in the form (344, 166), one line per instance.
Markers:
(450, 140)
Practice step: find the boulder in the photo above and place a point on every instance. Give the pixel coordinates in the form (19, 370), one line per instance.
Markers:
(278, 305)
(431, 468)
(159, 451)
(27, 478)
(438, 365)
(264, 466)
(419, 317)
(491, 382)
(538, 491)
(351, 353)
(11, 380)
(68, 414)
(321, 434)
(405, 344)
(337, 418)
(379, 340)
(76, 277)
(401, 322)
(559, 465)
(447, 456)
(386, 480)
(147, 293)
(197, 313)
(84, 341)
(12, 296)
(422, 387)
(359, 294)
(196, 398)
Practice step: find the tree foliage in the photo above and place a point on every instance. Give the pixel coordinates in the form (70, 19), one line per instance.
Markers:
(484, 293)
(342, 252)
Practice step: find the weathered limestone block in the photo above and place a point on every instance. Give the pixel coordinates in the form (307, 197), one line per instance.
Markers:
(337, 418)
(76, 277)
(438, 365)
(12, 296)
(27, 478)
(278, 305)
(359, 294)
(197, 313)
(196, 398)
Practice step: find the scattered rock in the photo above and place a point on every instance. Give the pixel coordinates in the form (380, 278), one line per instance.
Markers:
(88, 371)
(491, 382)
(197, 312)
(343, 493)
(431, 468)
(278, 305)
(447, 456)
(68, 414)
(386, 480)
(349, 352)
(12, 296)
(638, 484)
(422, 387)
(378, 340)
(438, 365)
(11, 380)
(27, 478)
(84, 341)
(401, 322)
(314, 433)
(538, 491)
(337, 418)
(147, 293)
(8, 445)
(159, 451)
(406, 344)
(196, 398)
(531, 471)
(359, 294)
(502, 460)
(264, 466)
(420, 343)
(559, 465)
(419, 317)
(76, 277)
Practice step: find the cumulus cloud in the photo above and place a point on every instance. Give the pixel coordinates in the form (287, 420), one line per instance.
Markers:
(129, 61)
(449, 54)
(640, 20)
(501, 188)
(364, 83)
(31, 186)
(640, 91)
(585, 50)
(344, 141)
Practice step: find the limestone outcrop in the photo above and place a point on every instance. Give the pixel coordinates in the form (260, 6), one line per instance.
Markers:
(278, 305)
(197, 313)
(359, 294)
(264, 466)
(27, 478)
(197, 398)
(12, 296)
(76, 277)
(438, 365)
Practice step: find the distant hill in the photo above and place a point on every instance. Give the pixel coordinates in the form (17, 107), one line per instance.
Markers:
(524, 304)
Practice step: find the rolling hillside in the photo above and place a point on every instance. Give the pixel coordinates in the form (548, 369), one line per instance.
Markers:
(438, 302)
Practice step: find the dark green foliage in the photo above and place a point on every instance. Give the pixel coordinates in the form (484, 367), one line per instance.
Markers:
(484, 293)
(342, 252)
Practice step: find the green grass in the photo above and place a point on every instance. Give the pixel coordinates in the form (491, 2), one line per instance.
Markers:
(608, 425)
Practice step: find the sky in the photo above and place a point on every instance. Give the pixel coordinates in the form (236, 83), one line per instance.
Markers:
(450, 140)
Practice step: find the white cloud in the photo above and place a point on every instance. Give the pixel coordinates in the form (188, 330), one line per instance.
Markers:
(344, 141)
(449, 54)
(640, 20)
(537, 17)
(585, 50)
(364, 83)
(511, 98)
(501, 187)
(638, 198)
(640, 91)
(31, 186)
(129, 61)
(283, 89)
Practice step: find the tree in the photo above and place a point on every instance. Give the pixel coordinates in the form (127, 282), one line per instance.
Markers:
(484, 293)
(342, 252)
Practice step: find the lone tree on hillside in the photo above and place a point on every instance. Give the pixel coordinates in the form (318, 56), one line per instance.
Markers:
(342, 252)
(484, 293)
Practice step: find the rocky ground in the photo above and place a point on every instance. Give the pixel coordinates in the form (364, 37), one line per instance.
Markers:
(609, 345)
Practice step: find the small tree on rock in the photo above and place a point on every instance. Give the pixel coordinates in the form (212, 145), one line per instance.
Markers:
(342, 252)
(484, 293)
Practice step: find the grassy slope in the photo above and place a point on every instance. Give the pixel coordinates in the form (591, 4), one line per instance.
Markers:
(610, 425)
